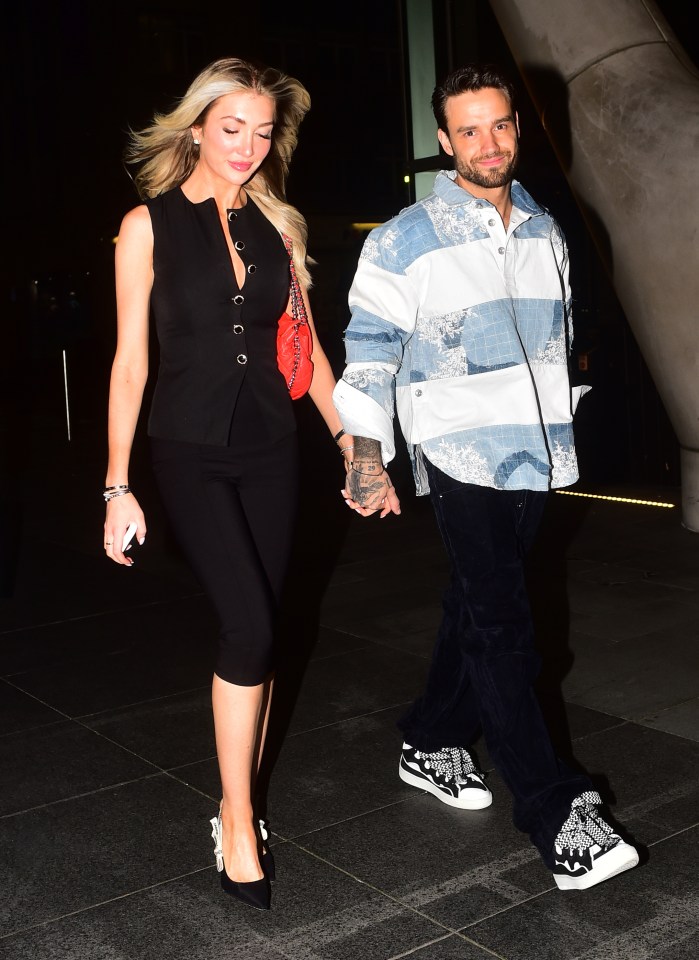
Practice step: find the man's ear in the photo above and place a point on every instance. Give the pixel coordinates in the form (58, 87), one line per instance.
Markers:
(444, 142)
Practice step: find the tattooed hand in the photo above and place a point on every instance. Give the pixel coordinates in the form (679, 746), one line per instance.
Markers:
(368, 487)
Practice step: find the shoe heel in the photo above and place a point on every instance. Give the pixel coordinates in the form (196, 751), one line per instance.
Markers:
(267, 858)
(268, 865)
(256, 893)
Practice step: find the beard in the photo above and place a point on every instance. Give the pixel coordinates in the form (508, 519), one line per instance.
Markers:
(489, 178)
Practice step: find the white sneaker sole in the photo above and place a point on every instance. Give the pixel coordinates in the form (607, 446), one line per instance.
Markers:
(481, 798)
(621, 857)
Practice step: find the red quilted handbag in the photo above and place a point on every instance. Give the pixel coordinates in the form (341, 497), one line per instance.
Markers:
(294, 338)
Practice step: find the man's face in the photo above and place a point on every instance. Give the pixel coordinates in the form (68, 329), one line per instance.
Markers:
(481, 136)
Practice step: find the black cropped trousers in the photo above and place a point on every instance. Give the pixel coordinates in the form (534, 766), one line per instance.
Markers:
(233, 514)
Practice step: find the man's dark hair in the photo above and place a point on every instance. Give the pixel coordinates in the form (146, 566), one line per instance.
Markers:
(470, 78)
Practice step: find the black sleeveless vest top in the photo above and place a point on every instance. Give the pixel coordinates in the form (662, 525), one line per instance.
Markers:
(218, 381)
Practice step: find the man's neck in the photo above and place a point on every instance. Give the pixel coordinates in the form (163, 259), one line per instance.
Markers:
(500, 197)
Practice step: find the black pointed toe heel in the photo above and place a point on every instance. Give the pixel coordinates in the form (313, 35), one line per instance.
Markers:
(256, 893)
(267, 858)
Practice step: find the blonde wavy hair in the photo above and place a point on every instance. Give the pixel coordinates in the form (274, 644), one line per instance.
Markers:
(166, 154)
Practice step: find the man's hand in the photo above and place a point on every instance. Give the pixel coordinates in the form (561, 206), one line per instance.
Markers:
(368, 487)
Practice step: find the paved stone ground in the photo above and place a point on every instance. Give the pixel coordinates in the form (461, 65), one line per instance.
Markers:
(107, 754)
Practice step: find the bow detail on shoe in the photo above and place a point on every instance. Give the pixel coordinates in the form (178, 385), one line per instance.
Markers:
(217, 834)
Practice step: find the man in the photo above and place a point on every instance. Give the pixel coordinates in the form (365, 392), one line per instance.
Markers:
(461, 316)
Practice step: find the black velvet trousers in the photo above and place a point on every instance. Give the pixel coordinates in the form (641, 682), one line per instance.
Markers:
(484, 663)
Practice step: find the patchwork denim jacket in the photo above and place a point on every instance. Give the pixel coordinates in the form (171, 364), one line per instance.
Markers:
(465, 328)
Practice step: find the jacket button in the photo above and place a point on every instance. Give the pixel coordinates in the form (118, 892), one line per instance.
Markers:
(418, 393)
(242, 359)
(238, 328)
(232, 215)
(491, 223)
(239, 245)
(252, 268)
(501, 249)
(238, 299)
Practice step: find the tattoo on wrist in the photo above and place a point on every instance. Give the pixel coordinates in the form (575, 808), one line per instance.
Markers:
(366, 449)
(366, 457)
(367, 480)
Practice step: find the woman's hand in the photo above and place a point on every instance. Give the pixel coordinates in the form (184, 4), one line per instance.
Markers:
(121, 511)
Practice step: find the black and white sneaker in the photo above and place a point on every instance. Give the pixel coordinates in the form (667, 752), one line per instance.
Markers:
(586, 850)
(449, 774)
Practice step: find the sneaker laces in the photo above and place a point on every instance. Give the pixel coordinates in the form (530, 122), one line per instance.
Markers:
(463, 764)
(440, 761)
(585, 826)
(452, 763)
(467, 764)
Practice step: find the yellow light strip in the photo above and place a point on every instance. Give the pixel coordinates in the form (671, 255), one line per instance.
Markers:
(365, 226)
(599, 496)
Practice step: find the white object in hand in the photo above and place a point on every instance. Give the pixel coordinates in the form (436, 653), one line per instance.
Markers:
(130, 530)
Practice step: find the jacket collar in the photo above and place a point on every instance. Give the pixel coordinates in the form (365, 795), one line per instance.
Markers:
(451, 193)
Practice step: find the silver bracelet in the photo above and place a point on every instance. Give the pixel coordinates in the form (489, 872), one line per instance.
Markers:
(110, 492)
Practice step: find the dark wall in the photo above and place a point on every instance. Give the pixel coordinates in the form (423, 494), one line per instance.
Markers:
(84, 72)
(79, 73)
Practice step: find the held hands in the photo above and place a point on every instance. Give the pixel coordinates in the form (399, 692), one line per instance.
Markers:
(368, 489)
(121, 513)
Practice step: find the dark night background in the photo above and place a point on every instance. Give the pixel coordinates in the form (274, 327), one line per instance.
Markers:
(79, 73)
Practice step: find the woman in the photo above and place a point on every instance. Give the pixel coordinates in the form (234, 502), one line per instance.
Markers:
(205, 251)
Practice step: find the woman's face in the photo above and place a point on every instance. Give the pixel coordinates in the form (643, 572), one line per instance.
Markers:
(236, 136)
